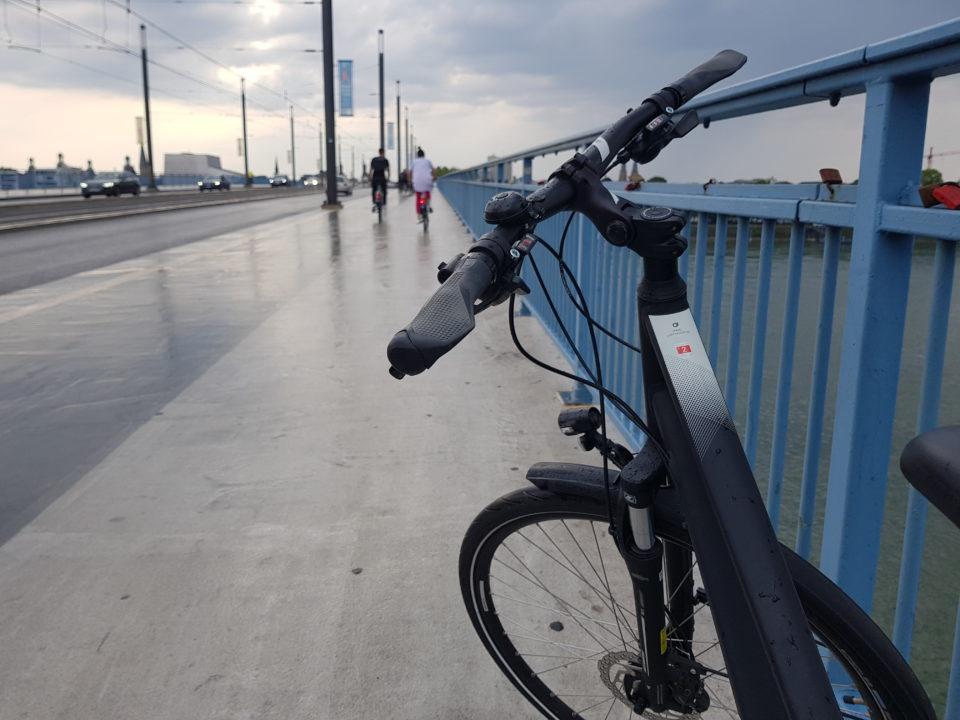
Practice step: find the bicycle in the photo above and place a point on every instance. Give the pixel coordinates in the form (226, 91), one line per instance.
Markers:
(378, 203)
(659, 587)
(423, 210)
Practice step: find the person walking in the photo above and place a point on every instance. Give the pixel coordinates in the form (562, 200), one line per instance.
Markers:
(379, 174)
(423, 174)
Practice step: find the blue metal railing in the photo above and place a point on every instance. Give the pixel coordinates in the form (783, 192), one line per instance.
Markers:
(858, 358)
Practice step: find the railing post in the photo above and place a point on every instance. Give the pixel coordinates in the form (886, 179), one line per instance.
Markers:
(891, 156)
(527, 170)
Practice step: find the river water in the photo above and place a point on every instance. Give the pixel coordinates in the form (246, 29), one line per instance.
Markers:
(940, 581)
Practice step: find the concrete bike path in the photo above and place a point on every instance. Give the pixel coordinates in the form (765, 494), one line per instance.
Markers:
(280, 539)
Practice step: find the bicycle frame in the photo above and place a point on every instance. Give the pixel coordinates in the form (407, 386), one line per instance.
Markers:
(756, 610)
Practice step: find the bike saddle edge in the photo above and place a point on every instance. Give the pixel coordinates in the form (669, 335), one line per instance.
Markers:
(931, 462)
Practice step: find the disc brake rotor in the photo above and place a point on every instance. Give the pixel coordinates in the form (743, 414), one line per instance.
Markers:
(624, 659)
(615, 666)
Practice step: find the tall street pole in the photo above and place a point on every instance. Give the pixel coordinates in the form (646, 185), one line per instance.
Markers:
(293, 151)
(328, 91)
(152, 182)
(383, 144)
(399, 166)
(247, 180)
(406, 133)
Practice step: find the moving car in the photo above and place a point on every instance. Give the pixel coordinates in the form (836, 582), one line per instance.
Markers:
(110, 184)
(213, 183)
(279, 181)
(344, 186)
(309, 181)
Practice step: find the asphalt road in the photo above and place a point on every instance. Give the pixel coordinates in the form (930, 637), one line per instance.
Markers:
(26, 213)
(78, 374)
(44, 253)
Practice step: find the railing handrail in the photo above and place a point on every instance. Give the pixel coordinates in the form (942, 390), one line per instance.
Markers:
(837, 76)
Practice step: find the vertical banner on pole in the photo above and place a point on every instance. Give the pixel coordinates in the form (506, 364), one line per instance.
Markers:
(346, 87)
(389, 136)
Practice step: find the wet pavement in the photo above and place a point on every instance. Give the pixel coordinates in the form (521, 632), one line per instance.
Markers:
(36, 255)
(47, 212)
(216, 503)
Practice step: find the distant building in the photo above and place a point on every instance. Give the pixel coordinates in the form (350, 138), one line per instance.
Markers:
(61, 176)
(9, 180)
(191, 164)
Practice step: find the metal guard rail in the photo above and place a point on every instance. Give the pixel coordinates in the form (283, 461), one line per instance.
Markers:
(883, 214)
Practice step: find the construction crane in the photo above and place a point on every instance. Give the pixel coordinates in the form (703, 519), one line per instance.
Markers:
(931, 155)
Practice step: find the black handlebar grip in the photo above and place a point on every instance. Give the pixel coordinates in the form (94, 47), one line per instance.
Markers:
(444, 320)
(724, 64)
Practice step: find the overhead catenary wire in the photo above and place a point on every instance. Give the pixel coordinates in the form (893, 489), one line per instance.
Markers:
(203, 54)
(106, 43)
(100, 41)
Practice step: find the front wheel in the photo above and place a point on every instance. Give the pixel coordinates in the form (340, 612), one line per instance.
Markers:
(550, 597)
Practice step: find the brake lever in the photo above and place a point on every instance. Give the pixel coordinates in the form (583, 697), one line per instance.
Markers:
(511, 283)
(656, 135)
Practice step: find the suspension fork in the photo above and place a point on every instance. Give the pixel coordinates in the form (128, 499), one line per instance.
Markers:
(643, 554)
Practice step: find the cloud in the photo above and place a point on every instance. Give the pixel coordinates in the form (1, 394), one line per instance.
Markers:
(532, 69)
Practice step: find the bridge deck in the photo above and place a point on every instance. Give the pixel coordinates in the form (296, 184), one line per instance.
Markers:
(199, 558)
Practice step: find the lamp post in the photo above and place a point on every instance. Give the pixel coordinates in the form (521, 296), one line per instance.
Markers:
(399, 166)
(152, 181)
(380, 48)
(247, 180)
(328, 91)
(293, 151)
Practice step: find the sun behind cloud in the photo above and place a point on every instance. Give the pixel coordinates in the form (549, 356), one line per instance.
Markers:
(253, 73)
(266, 9)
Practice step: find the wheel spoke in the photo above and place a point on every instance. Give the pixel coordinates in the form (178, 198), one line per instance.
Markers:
(573, 570)
(548, 566)
(552, 594)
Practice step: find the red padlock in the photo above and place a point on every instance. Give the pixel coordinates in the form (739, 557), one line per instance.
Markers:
(949, 195)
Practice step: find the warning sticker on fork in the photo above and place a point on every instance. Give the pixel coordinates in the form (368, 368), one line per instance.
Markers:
(692, 377)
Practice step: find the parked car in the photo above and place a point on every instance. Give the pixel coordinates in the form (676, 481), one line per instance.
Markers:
(309, 181)
(110, 184)
(344, 186)
(213, 183)
(279, 181)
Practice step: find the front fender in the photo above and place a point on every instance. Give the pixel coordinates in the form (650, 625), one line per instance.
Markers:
(586, 481)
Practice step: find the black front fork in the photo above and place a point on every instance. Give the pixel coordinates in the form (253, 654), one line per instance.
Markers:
(643, 554)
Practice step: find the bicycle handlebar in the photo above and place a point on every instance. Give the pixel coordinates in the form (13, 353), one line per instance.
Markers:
(448, 316)
(444, 320)
(720, 66)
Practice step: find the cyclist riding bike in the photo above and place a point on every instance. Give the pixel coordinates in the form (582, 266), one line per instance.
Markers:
(379, 174)
(423, 173)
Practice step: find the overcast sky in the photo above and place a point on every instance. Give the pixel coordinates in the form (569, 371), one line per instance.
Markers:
(479, 77)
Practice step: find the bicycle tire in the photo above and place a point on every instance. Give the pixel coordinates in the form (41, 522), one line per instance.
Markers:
(881, 679)
(379, 213)
(425, 213)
